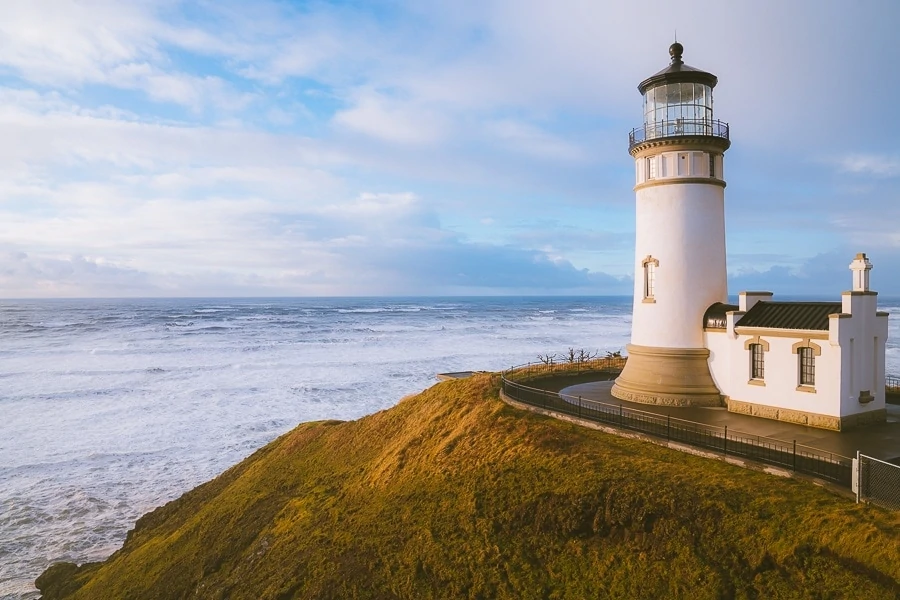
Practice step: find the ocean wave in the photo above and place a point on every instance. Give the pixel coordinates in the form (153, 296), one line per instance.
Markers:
(383, 309)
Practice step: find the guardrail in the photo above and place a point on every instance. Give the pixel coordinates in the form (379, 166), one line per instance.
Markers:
(790, 455)
(678, 128)
(892, 384)
(558, 367)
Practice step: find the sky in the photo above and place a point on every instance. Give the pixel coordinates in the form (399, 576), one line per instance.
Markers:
(231, 148)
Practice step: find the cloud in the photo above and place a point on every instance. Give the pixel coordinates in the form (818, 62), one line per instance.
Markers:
(22, 275)
(211, 244)
(73, 42)
(387, 119)
(110, 43)
(528, 139)
(871, 164)
(825, 275)
(346, 148)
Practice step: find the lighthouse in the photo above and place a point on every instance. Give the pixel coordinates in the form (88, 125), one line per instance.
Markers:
(680, 238)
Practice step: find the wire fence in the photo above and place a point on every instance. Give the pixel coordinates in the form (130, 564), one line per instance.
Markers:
(789, 455)
(877, 481)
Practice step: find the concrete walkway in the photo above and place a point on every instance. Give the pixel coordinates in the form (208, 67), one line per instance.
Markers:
(879, 441)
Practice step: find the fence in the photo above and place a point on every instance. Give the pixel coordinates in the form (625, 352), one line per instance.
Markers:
(790, 455)
(566, 366)
(876, 481)
(892, 385)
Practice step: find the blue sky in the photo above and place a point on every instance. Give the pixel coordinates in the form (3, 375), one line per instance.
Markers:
(403, 148)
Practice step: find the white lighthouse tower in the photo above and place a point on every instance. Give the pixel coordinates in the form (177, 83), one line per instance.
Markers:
(680, 241)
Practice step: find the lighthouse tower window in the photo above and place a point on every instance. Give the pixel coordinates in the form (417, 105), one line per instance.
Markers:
(650, 265)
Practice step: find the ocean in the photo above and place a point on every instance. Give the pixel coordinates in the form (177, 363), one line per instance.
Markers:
(110, 408)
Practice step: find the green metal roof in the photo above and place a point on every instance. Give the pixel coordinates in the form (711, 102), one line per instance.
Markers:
(790, 315)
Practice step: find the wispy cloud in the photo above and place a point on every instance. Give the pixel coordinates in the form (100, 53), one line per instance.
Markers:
(878, 165)
(387, 119)
(529, 139)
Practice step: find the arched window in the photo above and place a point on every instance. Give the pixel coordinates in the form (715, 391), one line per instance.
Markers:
(806, 352)
(650, 265)
(807, 365)
(757, 362)
(757, 348)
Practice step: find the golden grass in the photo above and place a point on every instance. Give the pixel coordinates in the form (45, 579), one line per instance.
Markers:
(453, 494)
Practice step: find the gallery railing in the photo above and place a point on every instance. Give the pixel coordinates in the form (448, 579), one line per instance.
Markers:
(678, 128)
(789, 455)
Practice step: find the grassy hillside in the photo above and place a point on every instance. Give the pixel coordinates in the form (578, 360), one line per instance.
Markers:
(453, 494)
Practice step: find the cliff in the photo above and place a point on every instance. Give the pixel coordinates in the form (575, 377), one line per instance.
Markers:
(453, 494)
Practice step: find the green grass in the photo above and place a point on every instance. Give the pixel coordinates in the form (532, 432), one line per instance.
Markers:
(453, 494)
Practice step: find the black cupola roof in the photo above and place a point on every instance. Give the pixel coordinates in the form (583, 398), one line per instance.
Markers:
(678, 72)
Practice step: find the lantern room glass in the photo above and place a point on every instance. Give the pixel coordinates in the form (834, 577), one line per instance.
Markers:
(678, 109)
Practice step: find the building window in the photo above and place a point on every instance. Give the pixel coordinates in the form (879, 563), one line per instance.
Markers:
(651, 167)
(650, 265)
(807, 359)
(712, 164)
(757, 362)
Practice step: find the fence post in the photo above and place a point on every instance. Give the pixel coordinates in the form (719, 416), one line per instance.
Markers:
(579, 407)
(725, 441)
(857, 474)
(795, 455)
(621, 420)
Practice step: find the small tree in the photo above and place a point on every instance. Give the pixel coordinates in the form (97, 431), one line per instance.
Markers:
(586, 355)
(546, 359)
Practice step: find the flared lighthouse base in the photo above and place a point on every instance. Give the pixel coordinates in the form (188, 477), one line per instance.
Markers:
(668, 377)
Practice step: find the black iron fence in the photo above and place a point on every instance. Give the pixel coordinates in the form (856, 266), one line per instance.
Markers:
(892, 385)
(789, 455)
(562, 366)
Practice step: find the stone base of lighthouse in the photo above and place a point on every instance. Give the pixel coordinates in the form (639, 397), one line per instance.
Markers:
(668, 377)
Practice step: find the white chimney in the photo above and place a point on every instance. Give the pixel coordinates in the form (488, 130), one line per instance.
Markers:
(861, 267)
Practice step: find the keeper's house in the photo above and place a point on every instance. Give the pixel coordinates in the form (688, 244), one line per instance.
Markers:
(813, 363)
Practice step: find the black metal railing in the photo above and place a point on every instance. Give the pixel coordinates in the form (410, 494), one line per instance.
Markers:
(892, 385)
(678, 128)
(559, 366)
(789, 455)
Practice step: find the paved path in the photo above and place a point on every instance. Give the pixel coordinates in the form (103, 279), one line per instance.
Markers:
(879, 441)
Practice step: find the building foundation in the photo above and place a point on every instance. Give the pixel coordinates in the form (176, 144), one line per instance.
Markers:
(667, 377)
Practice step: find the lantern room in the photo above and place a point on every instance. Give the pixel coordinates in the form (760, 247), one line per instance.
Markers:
(678, 101)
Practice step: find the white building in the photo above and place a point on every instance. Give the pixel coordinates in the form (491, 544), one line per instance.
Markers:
(815, 363)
